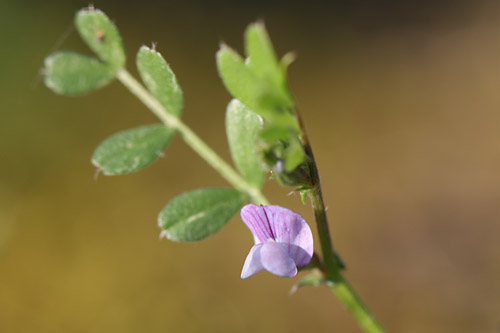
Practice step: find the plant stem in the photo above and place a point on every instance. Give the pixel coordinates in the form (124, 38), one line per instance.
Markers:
(191, 139)
(329, 259)
(331, 262)
(341, 288)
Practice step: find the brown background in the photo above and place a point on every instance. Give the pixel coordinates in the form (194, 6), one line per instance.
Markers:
(401, 99)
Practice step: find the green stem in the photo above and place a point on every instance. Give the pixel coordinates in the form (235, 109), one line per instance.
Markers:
(329, 259)
(348, 296)
(331, 262)
(337, 283)
(191, 139)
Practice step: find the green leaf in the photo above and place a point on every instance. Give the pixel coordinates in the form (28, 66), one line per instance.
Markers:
(160, 80)
(303, 197)
(294, 155)
(256, 93)
(263, 62)
(101, 35)
(197, 214)
(131, 150)
(239, 80)
(71, 73)
(273, 132)
(242, 128)
(262, 59)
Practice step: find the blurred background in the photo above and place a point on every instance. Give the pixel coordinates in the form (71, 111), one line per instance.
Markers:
(401, 100)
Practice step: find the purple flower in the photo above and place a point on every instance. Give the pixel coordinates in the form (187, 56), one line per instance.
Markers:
(283, 241)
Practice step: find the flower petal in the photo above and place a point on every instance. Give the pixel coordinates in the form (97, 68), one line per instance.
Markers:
(275, 259)
(291, 229)
(256, 220)
(253, 263)
(299, 255)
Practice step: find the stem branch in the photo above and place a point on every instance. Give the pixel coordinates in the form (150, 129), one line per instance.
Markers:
(191, 139)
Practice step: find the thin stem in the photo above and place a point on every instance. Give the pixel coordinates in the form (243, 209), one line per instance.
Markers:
(348, 296)
(329, 259)
(191, 139)
(331, 262)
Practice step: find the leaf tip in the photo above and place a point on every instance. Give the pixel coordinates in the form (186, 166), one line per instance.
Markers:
(257, 28)
(43, 71)
(97, 172)
(89, 10)
(222, 46)
(288, 59)
(258, 25)
(151, 50)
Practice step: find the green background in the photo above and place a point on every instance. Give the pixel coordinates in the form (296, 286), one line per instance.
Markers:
(401, 100)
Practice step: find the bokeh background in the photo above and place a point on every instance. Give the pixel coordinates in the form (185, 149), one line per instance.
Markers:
(402, 103)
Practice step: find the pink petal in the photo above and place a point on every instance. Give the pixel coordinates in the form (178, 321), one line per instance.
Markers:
(275, 259)
(292, 230)
(253, 263)
(256, 220)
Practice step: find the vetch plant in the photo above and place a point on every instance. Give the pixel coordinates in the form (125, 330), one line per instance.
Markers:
(265, 134)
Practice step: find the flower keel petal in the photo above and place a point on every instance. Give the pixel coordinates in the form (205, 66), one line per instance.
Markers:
(253, 263)
(299, 255)
(274, 258)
